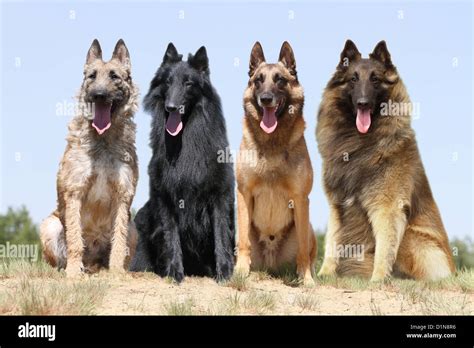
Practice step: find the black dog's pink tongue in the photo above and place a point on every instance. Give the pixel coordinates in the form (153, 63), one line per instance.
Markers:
(363, 120)
(102, 120)
(269, 121)
(174, 125)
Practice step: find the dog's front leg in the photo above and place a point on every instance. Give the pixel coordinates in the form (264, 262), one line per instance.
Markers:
(303, 261)
(244, 217)
(388, 225)
(74, 241)
(119, 250)
(223, 242)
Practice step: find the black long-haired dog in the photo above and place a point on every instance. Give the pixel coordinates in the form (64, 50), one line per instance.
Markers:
(187, 225)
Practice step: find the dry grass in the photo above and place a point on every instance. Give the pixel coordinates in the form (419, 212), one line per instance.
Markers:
(23, 268)
(238, 303)
(307, 302)
(259, 302)
(180, 308)
(37, 289)
(238, 281)
(37, 297)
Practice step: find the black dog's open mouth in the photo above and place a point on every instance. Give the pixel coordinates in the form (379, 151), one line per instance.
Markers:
(174, 123)
(102, 112)
(269, 120)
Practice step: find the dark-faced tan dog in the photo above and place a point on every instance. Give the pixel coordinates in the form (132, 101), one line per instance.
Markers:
(273, 188)
(98, 173)
(378, 192)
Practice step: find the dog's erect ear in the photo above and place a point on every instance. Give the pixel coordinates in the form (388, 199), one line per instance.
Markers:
(256, 58)
(349, 54)
(95, 52)
(121, 52)
(381, 54)
(287, 57)
(199, 61)
(171, 55)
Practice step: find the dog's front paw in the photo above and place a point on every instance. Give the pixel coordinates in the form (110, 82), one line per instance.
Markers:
(117, 270)
(308, 282)
(74, 270)
(176, 272)
(379, 275)
(224, 270)
(242, 266)
(327, 270)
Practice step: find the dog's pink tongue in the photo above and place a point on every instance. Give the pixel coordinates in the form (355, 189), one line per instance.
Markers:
(174, 125)
(363, 120)
(269, 121)
(101, 120)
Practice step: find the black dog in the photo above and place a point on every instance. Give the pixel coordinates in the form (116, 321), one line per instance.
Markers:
(187, 225)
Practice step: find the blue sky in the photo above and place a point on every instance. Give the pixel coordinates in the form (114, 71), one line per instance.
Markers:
(44, 44)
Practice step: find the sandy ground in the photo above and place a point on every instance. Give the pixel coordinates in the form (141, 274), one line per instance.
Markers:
(147, 294)
(271, 296)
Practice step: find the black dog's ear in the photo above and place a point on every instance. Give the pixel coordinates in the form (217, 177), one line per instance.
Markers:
(121, 52)
(199, 61)
(349, 54)
(382, 54)
(287, 57)
(256, 58)
(171, 55)
(95, 52)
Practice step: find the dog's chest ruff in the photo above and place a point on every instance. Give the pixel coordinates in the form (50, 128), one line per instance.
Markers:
(273, 211)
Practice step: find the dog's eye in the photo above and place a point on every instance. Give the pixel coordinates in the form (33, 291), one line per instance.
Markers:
(355, 78)
(188, 84)
(114, 76)
(281, 80)
(374, 79)
(92, 76)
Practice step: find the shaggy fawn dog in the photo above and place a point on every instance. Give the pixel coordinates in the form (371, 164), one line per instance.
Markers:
(98, 173)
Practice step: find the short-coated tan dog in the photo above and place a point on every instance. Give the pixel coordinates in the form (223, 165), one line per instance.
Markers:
(273, 188)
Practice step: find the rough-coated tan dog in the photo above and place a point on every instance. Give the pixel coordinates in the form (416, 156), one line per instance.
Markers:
(378, 192)
(98, 173)
(274, 173)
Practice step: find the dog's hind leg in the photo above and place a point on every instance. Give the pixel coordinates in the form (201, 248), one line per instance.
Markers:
(53, 241)
(132, 241)
(422, 257)
(140, 256)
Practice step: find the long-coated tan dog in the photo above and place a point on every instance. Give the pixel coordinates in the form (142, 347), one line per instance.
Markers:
(274, 173)
(379, 196)
(98, 173)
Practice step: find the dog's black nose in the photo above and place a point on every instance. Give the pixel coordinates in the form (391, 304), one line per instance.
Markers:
(99, 95)
(171, 107)
(266, 98)
(362, 102)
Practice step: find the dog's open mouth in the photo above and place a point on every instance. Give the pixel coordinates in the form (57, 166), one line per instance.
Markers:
(102, 116)
(174, 124)
(269, 120)
(363, 120)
